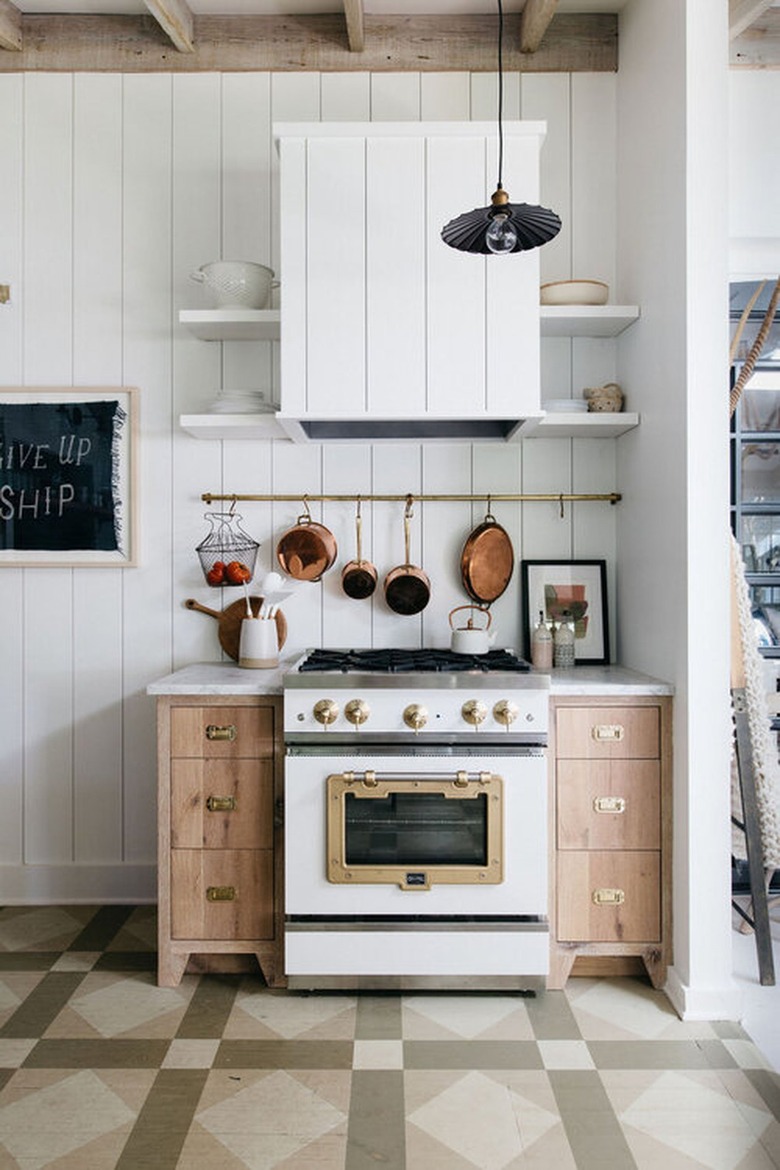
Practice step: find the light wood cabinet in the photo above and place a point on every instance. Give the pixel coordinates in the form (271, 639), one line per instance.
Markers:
(220, 834)
(610, 765)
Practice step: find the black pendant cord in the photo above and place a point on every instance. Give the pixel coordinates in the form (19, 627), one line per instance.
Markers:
(501, 226)
(500, 94)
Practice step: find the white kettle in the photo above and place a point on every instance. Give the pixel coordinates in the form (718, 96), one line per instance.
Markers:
(471, 639)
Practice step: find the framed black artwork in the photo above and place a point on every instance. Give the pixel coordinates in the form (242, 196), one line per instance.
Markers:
(67, 476)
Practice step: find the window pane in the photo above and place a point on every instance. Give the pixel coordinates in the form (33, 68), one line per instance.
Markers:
(761, 595)
(760, 405)
(760, 473)
(760, 540)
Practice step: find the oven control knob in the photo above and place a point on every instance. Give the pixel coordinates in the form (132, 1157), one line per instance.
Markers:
(505, 712)
(326, 711)
(357, 711)
(474, 712)
(415, 716)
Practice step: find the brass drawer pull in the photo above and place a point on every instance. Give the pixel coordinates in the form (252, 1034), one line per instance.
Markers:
(609, 897)
(221, 733)
(221, 893)
(221, 804)
(609, 804)
(608, 732)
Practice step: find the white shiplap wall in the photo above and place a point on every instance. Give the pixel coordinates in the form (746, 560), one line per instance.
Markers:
(114, 189)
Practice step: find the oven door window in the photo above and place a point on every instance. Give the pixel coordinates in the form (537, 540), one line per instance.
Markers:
(415, 831)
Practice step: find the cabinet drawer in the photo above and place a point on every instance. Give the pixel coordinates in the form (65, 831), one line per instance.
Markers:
(607, 732)
(222, 804)
(609, 897)
(222, 894)
(222, 732)
(609, 804)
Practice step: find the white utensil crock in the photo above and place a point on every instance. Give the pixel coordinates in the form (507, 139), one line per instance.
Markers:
(258, 646)
(236, 284)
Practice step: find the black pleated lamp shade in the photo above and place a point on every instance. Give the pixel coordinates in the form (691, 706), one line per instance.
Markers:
(532, 225)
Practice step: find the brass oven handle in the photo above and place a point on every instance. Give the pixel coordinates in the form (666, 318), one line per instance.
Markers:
(370, 778)
(608, 732)
(213, 732)
(609, 804)
(221, 804)
(606, 897)
(221, 893)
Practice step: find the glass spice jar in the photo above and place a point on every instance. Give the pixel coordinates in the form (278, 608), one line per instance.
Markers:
(563, 642)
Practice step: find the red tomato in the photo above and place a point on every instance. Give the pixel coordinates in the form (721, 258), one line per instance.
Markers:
(216, 574)
(237, 572)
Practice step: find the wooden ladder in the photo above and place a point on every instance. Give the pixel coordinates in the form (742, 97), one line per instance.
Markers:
(749, 824)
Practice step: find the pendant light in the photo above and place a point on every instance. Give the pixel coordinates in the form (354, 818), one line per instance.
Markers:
(503, 227)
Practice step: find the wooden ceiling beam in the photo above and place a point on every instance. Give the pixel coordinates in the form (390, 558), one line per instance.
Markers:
(353, 11)
(176, 20)
(10, 26)
(758, 47)
(135, 44)
(743, 13)
(534, 22)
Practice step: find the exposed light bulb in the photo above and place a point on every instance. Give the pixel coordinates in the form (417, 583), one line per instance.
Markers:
(500, 237)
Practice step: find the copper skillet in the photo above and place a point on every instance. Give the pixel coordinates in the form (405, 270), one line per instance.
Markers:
(487, 561)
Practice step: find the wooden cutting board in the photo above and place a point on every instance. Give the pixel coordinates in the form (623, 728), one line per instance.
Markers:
(230, 619)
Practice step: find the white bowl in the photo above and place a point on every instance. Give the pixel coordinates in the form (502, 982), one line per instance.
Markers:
(574, 292)
(236, 284)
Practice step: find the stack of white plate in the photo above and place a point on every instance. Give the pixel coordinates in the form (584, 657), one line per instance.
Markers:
(564, 405)
(243, 402)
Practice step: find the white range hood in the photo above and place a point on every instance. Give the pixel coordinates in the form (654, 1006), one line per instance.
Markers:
(387, 333)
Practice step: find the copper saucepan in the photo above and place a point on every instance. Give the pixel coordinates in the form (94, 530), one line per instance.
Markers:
(486, 561)
(407, 588)
(307, 550)
(358, 577)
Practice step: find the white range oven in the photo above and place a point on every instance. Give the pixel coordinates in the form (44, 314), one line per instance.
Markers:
(416, 850)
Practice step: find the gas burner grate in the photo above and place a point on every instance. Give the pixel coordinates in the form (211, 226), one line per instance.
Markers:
(403, 661)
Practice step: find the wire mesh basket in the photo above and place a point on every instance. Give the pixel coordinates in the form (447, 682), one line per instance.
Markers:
(227, 554)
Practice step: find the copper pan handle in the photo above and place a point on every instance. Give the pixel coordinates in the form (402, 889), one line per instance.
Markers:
(359, 536)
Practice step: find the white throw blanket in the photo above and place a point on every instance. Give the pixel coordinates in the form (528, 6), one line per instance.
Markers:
(765, 756)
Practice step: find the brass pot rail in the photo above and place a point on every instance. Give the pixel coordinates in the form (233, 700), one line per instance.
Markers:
(420, 498)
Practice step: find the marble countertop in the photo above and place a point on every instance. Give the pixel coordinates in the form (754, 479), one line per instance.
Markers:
(226, 678)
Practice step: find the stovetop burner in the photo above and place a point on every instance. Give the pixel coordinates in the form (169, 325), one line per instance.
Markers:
(404, 661)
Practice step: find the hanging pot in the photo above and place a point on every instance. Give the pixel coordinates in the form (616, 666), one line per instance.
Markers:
(307, 550)
(407, 588)
(358, 577)
(487, 561)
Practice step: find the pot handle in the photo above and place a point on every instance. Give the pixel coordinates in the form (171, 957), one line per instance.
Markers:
(408, 513)
(478, 608)
(198, 275)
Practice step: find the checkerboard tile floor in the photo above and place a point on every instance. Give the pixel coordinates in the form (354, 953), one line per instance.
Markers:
(101, 1068)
